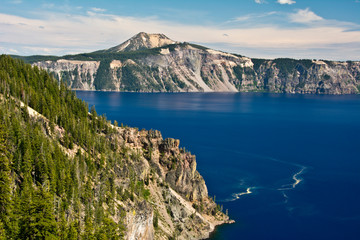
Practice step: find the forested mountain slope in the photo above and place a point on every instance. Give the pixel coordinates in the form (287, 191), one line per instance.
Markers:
(66, 173)
(155, 63)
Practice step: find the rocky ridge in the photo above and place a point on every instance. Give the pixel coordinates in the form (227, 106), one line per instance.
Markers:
(141, 41)
(177, 204)
(155, 63)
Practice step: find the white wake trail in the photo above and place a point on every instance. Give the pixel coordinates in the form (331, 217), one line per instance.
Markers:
(237, 196)
(297, 180)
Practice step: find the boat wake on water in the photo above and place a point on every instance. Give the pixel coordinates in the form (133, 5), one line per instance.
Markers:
(236, 196)
(296, 179)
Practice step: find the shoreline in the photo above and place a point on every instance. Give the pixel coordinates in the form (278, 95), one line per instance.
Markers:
(213, 232)
(215, 92)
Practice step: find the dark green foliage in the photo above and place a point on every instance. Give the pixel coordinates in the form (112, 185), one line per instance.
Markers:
(105, 55)
(36, 58)
(108, 230)
(205, 78)
(37, 218)
(288, 66)
(247, 73)
(5, 181)
(44, 194)
(4, 174)
(130, 81)
(307, 63)
(94, 56)
(156, 220)
(2, 231)
(104, 79)
(326, 77)
(301, 85)
(238, 71)
(258, 62)
(177, 81)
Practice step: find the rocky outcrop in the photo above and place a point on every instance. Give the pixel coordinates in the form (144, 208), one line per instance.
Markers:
(97, 180)
(141, 41)
(77, 74)
(155, 63)
(306, 76)
(178, 198)
(159, 193)
(139, 222)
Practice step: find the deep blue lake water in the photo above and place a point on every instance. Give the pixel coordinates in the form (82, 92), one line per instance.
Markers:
(285, 166)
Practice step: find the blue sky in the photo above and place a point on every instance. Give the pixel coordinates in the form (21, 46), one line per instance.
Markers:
(321, 29)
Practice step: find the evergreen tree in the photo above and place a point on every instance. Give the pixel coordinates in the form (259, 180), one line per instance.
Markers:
(5, 191)
(2, 231)
(45, 193)
(37, 218)
(108, 230)
(73, 233)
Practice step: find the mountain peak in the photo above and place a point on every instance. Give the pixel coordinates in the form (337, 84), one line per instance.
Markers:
(142, 41)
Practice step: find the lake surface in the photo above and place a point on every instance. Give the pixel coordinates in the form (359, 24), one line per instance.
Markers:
(285, 166)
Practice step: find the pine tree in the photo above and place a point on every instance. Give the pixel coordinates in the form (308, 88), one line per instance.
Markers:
(2, 231)
(38, 221)
(5, 191)
(88, 233)
(73, 231)
(108, 230)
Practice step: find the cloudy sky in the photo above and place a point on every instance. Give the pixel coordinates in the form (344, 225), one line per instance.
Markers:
(321, 29)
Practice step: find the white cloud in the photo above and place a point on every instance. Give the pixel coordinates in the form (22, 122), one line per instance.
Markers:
(260, 1)
(67, 34)
(95, 9)
(48, 5)
(241, 19)
(252, 17)
(286, 2)
(304, 16)
(16, 1)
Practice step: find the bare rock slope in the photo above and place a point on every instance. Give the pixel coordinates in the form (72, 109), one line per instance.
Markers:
(155, 63)
(173, 201)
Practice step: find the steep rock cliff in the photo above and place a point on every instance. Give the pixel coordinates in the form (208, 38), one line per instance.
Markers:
(89, 178)
(168, 189)
(155, 63)
(77, 74)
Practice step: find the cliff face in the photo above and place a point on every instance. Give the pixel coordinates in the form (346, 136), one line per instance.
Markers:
(170, 198)
(77, 74)
(305, 76)
(152, 62)
(89, 178)
(177, 197)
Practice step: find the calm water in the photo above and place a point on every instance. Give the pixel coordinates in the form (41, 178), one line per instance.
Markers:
(286, 166)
